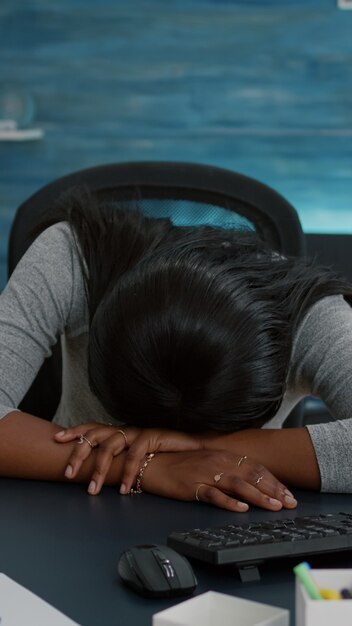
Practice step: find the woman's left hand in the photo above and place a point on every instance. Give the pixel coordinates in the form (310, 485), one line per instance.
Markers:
(112, 440)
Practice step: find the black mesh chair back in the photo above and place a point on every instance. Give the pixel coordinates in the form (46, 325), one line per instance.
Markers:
(190, 194)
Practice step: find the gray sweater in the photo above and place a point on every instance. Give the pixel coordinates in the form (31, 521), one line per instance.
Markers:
(45, 299)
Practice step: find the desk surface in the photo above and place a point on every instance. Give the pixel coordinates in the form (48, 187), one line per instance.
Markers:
(64, 546)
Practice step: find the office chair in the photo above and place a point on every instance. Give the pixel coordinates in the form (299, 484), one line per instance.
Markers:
(189, 194)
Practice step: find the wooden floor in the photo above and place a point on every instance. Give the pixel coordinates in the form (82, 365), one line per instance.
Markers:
(263, 87)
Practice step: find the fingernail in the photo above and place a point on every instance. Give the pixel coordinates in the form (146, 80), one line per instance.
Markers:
(288, 493)
(243, 506)
(68, 471)
(275, 502)
(123, 488)
(92, 487)
(61, 433)
(290, 500)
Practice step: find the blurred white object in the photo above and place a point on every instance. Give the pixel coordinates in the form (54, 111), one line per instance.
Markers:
(344, 4)
(212, 608)
(10, 132)
(17, 111)
(21, 606)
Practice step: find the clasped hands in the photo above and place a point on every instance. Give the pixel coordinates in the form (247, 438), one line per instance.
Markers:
(188, 469)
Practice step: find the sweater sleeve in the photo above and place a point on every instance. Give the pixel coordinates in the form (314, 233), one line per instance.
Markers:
(322, 358)
(35, 308)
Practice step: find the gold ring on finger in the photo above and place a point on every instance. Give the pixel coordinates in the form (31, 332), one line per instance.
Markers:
(197, 491)
(242, 458)
(83, 439)
(217, 477)
(258, 480)
(123, 434)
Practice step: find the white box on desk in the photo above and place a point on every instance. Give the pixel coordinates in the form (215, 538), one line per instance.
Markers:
(325, 612)
(215, 609)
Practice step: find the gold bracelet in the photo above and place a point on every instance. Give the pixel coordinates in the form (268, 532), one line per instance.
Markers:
(138, 488)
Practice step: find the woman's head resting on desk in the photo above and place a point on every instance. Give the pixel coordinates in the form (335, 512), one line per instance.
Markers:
(190, 327)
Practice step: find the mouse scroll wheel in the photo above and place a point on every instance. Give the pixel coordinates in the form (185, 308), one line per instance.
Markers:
(168, 569)
(165, 564)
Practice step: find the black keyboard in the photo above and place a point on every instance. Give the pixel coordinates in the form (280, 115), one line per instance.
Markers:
(258, 541)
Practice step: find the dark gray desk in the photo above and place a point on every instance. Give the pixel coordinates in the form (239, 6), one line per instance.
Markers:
(64, 545)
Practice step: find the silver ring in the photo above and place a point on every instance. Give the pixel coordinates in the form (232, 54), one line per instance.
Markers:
(83, 439)
(258, 480)
(241, 459)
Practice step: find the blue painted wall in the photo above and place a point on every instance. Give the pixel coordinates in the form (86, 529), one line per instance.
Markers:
(263, 87)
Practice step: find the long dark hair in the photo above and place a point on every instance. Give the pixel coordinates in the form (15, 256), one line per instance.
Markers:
(190, 328)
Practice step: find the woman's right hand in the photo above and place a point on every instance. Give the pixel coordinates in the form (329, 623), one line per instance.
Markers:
(110, 441)
(218, 477)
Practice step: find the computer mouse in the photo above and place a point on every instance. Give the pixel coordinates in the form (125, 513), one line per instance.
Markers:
(156, 571)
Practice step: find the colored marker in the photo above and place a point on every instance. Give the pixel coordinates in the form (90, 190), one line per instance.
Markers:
(302, 571)
(346, 594)
(330, 594)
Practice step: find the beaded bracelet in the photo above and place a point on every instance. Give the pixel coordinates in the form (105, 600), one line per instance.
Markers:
(138, 488)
